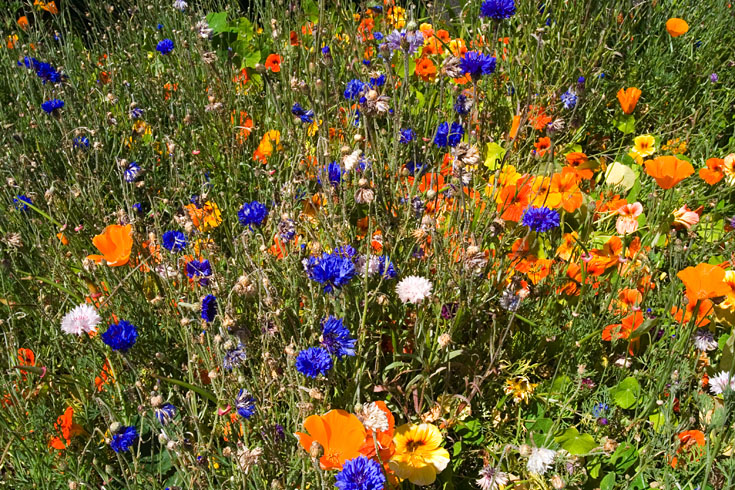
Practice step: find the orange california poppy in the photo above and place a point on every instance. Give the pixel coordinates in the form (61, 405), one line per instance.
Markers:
(23, 22)
(542, 146)
(273, 63)
(623, 330)
(713, 173)
(425, 69)
(628, 99)
(689, 440)
(703, 282)
(676, 27)
(340, 434)
(115, 242)
(68, 430)
(702, 312)
(668, 171)
(515, 125)
(566, 184)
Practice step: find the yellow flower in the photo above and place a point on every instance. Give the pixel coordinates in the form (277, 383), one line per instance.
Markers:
(419, 455)
(397, 17)
(729, 303)
(520, 387)
(643, 146)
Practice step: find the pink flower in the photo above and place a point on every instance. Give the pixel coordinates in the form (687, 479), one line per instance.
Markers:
(627, 222)
(685, 217)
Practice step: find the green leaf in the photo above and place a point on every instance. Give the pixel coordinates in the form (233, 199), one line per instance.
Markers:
(626, 393)
(245, 31)
(624, 457)
(625, 123)
(218, 22)
(658, 421)
(576, 443)
(608, 483)
(594, 467)
(311, 9)
(470, 431)
(560, 384)
(495, 154)
(727, 361)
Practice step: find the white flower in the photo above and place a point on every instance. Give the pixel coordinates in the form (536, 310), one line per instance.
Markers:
(82, 319)
(721, 382)
(203, 29)
(704, 340)
(540, 460)
(491, 478)
(350, 161)
(373, 264)
(413, 289)
(372, 417)
(180, 5)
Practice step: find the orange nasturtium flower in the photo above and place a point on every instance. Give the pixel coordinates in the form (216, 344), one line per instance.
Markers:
(628, 99)
(68, 430)
(690, 440)
(115, 243)
(49, 7)
(623, 330)
(668, 171)
(713, 173)
(704, 281)
(676, 27)
(425, 69)
(419, 455)
(339, 433)
(273, 63)
(205, 218)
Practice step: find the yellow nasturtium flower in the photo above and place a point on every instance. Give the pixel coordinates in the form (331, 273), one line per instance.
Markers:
(419, 456)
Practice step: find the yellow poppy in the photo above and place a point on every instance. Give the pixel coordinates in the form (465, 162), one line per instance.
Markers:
(419, 456)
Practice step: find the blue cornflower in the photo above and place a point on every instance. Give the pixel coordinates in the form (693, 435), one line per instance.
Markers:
(569, 99)
(407, 135)
(336, 338)
(408, 42)
(498, 9)
(136, 113)
(477, 64)
(287, 229)
(333, 173)
(326, 50)
(175, 241)
(463, 104)
(378, 36)
(159, 26)
(132, 171)
(165, 47)
(330, 270)
(346, 251)
(599, 409)
(386, 268)
(306, 116)
(120, 336)
(448, 136)
(252, 213)
(52, 105)
(581, 80)
(378, 81)
(21, 202)
(44, 71)
(540, 219)
(353, 89)
(125, 438)
(202, 269)
(166, 413)
(81, 142)
(360, 473)
(245, 404)
(314, 361)
(234, 357)
(209, 307)
(416, 168)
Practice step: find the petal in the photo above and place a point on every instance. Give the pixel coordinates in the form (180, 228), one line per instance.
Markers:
(426, 475)
(317, 429)
(305, 440)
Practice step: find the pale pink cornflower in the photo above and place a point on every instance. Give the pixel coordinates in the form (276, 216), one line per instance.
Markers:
(82, 319)
(720, 383)
(413, 289)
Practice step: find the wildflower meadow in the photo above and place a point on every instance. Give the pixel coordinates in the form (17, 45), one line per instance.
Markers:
(367, 245)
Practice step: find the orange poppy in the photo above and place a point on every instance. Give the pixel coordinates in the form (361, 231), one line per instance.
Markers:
(273, 63)
(425, 69)
(628, 99)
(668, 171)
(713, 173)
(513, 199)
(538, 117)
(578, 162)
(340, 434)
(689, 440)
(49, 7)
(68, 430)
(685, 316)
(574, 280)
(676, 27)
(602, 259)
(115, 243)
(515, 125)
(623, 330)
(23, 22)
(566, 184)
(703, 282)
(105, 377)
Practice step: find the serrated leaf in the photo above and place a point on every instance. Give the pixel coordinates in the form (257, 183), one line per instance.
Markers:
(576, 443)
(626, 393)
